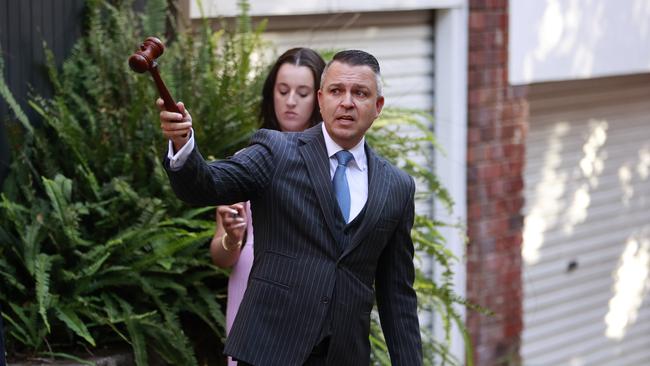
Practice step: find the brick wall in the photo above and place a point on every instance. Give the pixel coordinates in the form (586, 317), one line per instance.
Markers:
(495, 157)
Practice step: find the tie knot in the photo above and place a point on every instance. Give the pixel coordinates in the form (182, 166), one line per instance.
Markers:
(343, 157)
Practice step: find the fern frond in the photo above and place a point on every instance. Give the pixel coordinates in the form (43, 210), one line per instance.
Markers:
(42, 277)
(31, 240)
(165, 338)
(136, 334)
(6, 94)
(214, 309)
(70, 318)
(10, 278)
(17, 330)
(95, 266)
(167, 249)
(30, 329)
(59, 192)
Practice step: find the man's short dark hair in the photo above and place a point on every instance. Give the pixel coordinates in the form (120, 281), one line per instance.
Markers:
(356, 58)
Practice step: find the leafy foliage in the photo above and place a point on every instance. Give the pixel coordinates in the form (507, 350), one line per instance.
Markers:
(404, 137)
(95, 248)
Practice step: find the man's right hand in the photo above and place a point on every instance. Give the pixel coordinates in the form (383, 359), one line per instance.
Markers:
(176, 127)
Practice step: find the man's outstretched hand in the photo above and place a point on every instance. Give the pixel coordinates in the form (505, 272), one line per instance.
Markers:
(174, 126)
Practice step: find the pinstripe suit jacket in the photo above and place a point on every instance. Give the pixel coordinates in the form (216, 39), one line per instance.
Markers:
(306, 270)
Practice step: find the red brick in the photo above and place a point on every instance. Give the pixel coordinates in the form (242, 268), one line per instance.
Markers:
(496, 152)
(516, 185)
(493, 4)
(488, 133)
(494, 19)
(483, 116)
(478, 57)
(516, 203)
(477, 153)
(514, 150)
(476, 42)
(474, 97)
(477, 4)
(487, 40)
(515, 167)
(473, 136)
(498, 227)
(474, 212)
(477, 21)
(490, 170)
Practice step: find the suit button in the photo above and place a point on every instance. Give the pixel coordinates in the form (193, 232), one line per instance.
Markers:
(325, 300)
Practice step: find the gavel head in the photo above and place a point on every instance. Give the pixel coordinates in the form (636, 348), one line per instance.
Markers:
(143, 59)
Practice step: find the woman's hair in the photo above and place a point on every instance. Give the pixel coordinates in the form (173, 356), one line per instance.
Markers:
(299, 56)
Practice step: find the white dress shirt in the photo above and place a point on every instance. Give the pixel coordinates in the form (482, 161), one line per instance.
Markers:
(357, 172)
(177, 160)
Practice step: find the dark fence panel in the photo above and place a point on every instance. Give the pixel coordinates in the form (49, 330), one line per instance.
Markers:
(25, 25)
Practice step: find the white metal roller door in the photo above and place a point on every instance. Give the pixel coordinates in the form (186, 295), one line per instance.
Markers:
(586, 249)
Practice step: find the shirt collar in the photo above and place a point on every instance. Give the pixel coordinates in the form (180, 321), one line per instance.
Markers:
(358, 151)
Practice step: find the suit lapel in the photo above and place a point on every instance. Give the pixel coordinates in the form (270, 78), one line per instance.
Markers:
(314, 153)
(377, 190)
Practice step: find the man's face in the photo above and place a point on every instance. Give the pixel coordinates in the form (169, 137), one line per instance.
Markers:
(349, 102)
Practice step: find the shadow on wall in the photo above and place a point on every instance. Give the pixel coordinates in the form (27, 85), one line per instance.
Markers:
(586, 239)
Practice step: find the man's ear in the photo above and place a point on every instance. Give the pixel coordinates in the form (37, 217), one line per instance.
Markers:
(319, 95)
(379, 105)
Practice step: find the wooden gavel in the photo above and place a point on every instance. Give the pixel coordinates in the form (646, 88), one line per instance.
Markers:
(145, 60)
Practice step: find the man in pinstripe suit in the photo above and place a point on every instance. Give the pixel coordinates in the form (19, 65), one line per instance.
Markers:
(323, 253)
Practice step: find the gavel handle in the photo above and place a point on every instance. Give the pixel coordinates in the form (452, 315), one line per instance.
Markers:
(170, 105)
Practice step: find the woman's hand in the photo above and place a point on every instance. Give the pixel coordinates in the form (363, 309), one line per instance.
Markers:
(231, 228)
(233, 218)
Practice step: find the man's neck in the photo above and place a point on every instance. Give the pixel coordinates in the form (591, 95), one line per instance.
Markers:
(334, 146)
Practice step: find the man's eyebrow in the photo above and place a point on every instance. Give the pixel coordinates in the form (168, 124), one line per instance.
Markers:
(355, 85)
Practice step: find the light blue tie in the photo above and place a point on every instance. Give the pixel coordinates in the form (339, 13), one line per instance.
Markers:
(340, 182)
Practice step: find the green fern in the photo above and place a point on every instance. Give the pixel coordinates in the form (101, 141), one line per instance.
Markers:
(11, 101)
(388, 137)
(23, 332)
(42, 275)
(137, 340)
(74, 323)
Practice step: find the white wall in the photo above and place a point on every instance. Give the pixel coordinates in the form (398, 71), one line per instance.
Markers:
(227, 8)
(574, 39)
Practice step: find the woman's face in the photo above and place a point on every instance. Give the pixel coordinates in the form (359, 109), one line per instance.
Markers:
(294, 97)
